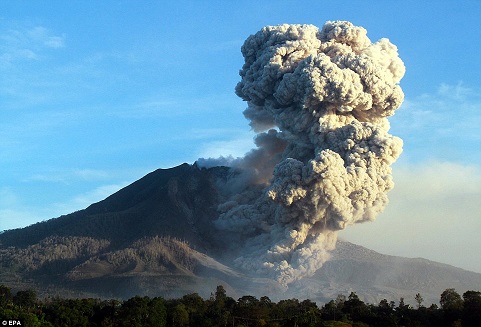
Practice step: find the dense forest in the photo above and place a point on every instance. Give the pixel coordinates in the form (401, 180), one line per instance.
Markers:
(221, 310)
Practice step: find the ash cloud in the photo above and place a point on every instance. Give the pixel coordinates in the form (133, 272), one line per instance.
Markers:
(318, 100)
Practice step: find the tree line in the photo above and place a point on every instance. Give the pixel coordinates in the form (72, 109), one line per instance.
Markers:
(222, 310)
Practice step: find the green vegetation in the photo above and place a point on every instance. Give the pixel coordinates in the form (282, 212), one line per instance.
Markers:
(222, 310)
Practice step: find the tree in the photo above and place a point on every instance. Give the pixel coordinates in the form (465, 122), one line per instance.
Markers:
(330, 311)
(72, 312)
(157, 312)
(196, 307)
(289, 310)
(452, 305)
(309, 314)
(385, 314)
(133, 312)
(25, 299)
(220, 306)
(419, 300)
(247, 307)
(451, 300)
(355, 308)
(471, 308)
(5, 296)
(402, 305)
(333, 309)
(220, 294)
(340, 300)
(403, 312)
(105, 313)
(265, 306)
(180, 316)
(142, 311)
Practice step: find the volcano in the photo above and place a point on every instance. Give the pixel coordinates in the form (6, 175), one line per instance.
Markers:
(157, 237)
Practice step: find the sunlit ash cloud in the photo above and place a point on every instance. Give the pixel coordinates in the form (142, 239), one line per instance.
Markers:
(318, 100)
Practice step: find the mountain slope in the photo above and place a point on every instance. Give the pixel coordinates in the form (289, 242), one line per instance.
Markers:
(375, 276)
(156, 237)
(179, 202)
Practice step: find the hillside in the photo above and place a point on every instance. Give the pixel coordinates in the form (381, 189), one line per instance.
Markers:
(177, 202)
(375, 276)
(155, 237)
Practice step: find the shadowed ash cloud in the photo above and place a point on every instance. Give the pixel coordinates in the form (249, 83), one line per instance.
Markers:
(319, 102)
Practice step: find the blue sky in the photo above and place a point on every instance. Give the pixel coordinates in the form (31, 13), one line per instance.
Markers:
(94, 96)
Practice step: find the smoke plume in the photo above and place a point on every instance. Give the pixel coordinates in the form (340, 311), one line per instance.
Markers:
(318, 101)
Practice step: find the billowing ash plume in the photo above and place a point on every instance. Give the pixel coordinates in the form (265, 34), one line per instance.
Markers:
(319, 101)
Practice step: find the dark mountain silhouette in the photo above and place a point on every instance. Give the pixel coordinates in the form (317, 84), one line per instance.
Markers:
(178, 202)
(156, 237)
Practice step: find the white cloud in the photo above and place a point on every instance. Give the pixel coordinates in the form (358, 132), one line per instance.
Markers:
(7, 197)
(26, 43)
(67, 177)
(187, 104)
(29, 60)
(91, 174)
(434, 212)
(442, 126)
(452, 107)
(41, 35)
(458, 92)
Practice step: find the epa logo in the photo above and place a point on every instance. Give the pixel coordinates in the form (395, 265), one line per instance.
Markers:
(12, 322)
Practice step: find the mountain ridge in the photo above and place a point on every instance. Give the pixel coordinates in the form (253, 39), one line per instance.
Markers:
(154, 194)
